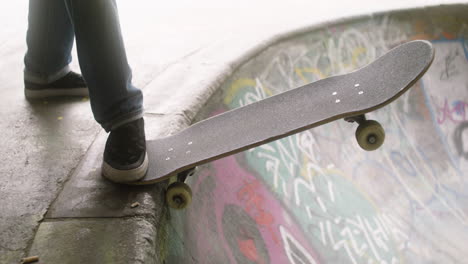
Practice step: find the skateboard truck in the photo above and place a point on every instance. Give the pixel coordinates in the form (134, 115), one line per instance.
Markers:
(370, 134)
(178, 193)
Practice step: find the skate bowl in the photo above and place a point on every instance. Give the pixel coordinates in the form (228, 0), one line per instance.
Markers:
(316, 197)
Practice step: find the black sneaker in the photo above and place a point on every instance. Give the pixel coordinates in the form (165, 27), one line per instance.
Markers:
(71, 84)
(125, 158)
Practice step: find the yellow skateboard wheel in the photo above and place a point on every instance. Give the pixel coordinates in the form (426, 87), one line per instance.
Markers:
(370, 135)
(178, 195)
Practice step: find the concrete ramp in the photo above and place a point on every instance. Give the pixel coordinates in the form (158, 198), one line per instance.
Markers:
(316, 197)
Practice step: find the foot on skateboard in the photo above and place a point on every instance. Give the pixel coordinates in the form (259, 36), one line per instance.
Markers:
(125, 157)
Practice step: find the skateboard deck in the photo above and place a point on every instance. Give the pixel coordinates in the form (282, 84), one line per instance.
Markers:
(281, 115)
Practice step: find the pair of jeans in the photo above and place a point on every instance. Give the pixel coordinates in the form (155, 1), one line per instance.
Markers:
(52, 27)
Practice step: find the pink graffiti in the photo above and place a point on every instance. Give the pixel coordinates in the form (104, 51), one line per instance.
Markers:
(458, 108)
(253, 202)
(236, 186)
(247, 247)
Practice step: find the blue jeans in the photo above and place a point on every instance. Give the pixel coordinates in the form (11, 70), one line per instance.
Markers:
(53, 24)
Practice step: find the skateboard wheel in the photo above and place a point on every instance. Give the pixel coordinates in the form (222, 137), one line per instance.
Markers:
(370, 135)
(178, 195)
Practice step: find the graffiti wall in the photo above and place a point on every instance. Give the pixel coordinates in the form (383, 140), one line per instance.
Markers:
(316, 197)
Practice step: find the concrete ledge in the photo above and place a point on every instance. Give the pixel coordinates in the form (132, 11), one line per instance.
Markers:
(92, 221)
(87, 194)
(104, 240)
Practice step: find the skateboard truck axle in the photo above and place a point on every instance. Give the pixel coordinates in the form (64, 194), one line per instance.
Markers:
(178, 200)
(372, 139)
(178, 195)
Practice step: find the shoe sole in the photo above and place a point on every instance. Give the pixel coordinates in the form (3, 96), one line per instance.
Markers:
(123, 176)
(56, 92)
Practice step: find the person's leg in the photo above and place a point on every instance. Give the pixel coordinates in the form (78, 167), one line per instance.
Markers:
(103, 62)
(117, 105)
(50, 40)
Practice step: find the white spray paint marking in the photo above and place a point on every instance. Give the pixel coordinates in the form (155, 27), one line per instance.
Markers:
(322, 232)
(289, 243)
(322, 205)
(330, 190)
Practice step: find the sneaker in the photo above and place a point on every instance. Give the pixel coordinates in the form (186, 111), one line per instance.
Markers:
(125, 158)
(71, 84)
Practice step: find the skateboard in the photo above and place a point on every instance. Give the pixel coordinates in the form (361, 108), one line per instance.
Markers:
(347, 96)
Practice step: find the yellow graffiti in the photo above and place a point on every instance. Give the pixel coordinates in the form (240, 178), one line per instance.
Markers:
(355, 54)
(300, 72)
(240, 84)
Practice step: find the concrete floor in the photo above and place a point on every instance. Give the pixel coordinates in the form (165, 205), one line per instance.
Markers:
(53, 202)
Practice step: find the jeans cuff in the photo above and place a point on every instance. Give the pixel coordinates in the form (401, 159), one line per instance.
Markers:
(122, 120)
(45, 79)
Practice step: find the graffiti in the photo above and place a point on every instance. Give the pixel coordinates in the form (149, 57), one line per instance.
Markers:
(404, 165)
(326, 197)
(255, 206)
(295, 252)
(315, 197)
(361, 238)
(342, 222)
(460, 139)
(456, 112)
(243, 237)
(450, 68)
(314, 190)
(464, 34)
(235, 219)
